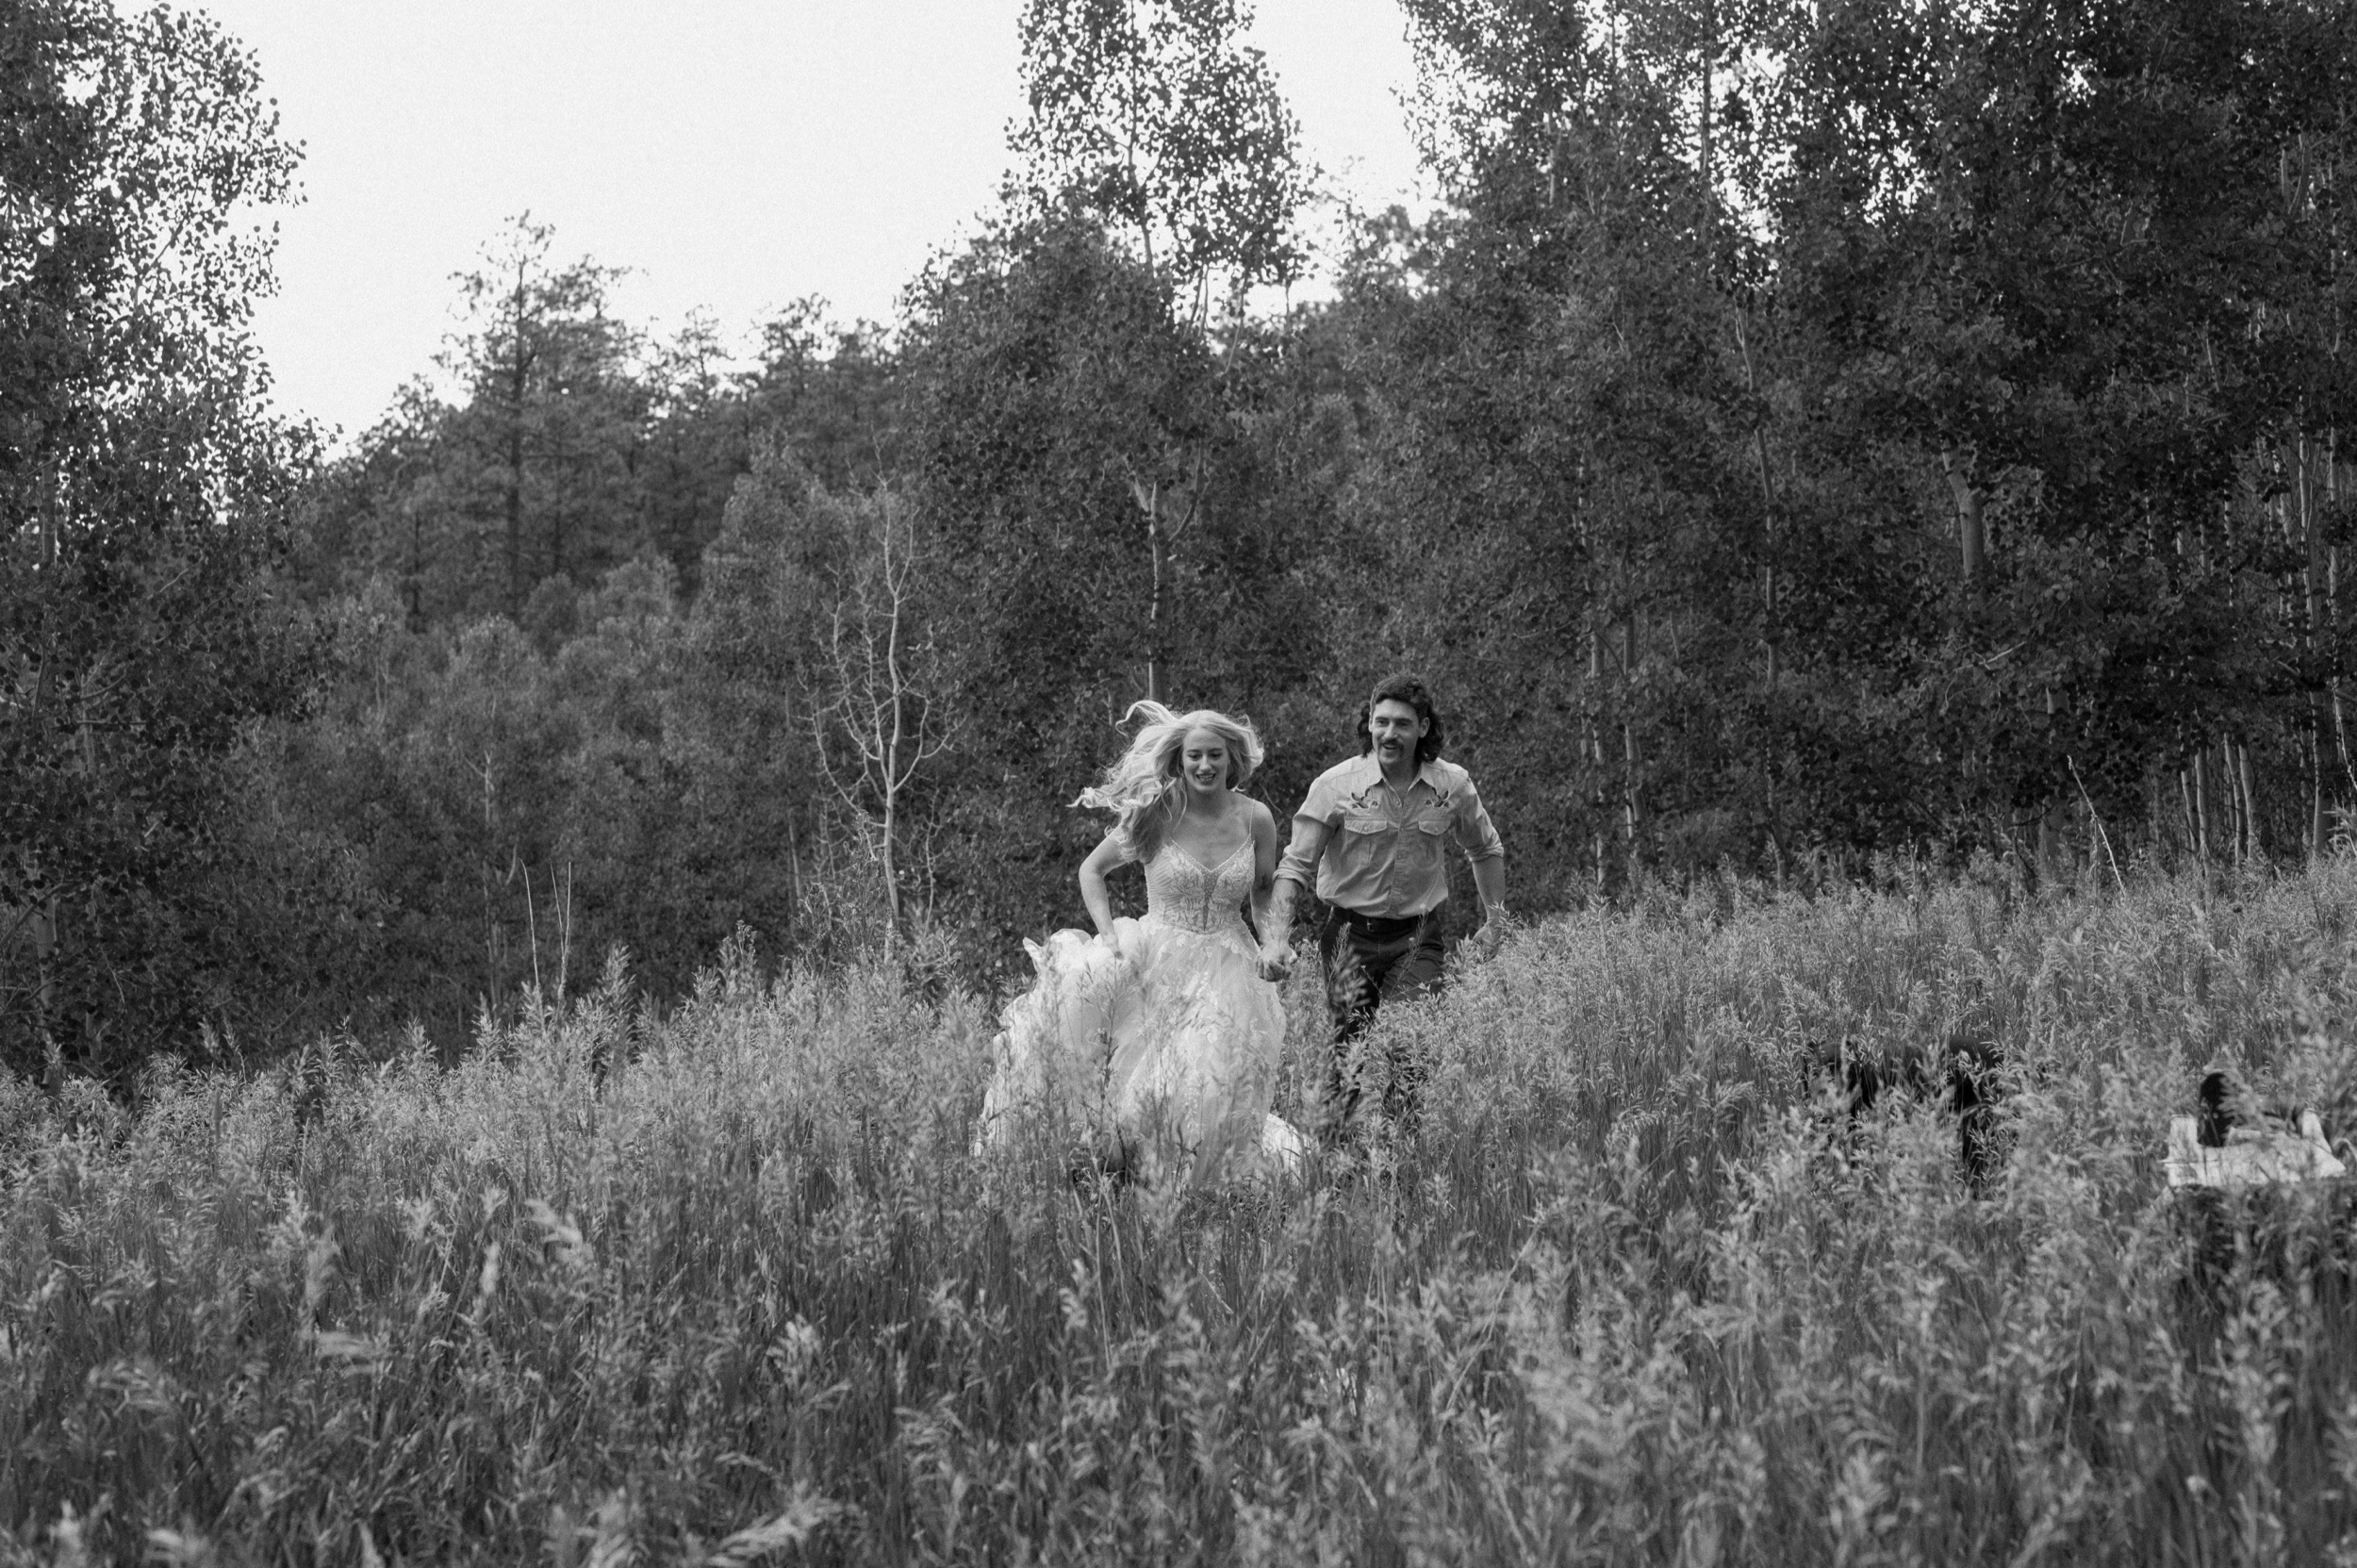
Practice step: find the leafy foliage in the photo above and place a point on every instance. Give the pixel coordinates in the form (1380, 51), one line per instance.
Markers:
(1804, 434)
(144, 496)
(1876, 375)
(1158, 118)
(618, 1282)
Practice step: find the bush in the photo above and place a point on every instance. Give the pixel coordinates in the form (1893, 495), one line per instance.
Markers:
(728, 1282)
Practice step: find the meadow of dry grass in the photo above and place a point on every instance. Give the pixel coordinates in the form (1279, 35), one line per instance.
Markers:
(1629, 1296)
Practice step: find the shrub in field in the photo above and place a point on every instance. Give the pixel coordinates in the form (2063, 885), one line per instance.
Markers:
(730, 1286)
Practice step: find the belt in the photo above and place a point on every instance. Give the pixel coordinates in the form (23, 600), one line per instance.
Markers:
(1383, 929)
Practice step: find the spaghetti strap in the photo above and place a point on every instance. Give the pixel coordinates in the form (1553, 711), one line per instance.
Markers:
(1214, 871)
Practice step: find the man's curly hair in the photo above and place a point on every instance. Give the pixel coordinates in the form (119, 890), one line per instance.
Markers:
(1412, 691)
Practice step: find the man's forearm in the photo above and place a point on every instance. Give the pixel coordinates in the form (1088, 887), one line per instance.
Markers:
(1278, 928)
(1490, 881)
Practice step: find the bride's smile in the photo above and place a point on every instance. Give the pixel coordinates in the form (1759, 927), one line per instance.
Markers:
(1205, 764)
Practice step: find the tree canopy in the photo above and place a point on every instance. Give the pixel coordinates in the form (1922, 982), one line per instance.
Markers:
(1801, 437)
(144, 496)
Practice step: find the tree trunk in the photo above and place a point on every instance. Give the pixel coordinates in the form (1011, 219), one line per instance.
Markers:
(2312, 538)
(1711, 51)
(1591, 744)
(1154, 602)
(2202, 805)
(2332, 611)
(491, 912)
(516, 377)
(416, 569)
(794, 868)
(1629, 736)
(43, 920)
(1160, 540)
(2315, 785)
(2253, 848)
(892, 760)
(2237, 830)
(891, 872)
(1972, 525)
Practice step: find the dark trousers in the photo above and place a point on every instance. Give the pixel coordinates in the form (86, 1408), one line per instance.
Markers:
(1367, 961)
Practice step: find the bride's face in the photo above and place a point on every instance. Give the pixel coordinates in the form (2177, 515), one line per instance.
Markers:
(1203, 762)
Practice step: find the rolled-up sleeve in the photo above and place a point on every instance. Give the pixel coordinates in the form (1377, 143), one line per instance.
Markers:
(1320, 808)
(1476, 832)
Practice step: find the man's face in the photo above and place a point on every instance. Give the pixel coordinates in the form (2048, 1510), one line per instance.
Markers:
(1396, 729)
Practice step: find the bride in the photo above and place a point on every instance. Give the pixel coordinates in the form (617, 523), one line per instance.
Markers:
(1159, 1033)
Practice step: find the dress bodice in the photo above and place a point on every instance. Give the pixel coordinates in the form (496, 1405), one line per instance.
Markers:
(1192, 896)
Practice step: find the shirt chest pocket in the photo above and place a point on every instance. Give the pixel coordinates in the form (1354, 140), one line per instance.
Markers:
(1431, 832)
(1366, 829)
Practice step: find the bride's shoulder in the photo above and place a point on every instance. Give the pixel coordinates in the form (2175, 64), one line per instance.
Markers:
(1124, 845)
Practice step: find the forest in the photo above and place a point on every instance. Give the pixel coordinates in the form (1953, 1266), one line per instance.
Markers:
(1806, 441)
(505, 914)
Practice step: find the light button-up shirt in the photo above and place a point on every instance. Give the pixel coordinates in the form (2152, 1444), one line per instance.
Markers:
(1382, 854)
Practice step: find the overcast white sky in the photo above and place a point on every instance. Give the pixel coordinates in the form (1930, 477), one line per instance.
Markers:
(737, 154)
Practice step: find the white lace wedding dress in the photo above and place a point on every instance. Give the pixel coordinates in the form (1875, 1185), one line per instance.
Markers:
(1160, 1043)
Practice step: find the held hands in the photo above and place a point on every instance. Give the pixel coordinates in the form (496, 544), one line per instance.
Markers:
(1276, 960)
(1484, 943)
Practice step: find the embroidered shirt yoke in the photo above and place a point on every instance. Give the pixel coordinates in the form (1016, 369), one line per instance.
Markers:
(1382, 854)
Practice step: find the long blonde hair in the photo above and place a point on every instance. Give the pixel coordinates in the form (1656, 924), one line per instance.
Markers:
(1142, 786)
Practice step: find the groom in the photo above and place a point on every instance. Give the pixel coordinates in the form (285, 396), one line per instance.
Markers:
(1371, 834)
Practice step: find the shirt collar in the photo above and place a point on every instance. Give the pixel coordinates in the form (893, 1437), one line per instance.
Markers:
(1371, 772)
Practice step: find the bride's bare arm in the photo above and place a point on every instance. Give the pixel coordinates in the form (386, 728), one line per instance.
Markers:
(1272, 910)
(1263, 866)
(1102, 859)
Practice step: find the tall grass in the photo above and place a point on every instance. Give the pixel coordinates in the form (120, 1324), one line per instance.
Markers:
(730, 1286)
